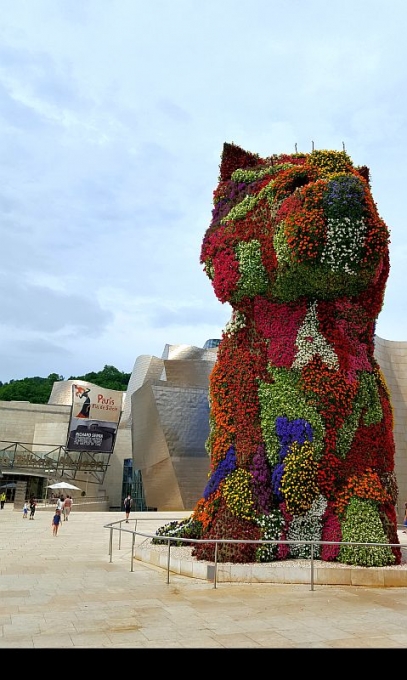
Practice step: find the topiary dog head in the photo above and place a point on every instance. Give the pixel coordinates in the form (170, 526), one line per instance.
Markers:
(293, 226)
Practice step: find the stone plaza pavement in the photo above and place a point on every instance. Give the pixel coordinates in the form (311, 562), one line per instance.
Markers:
(63, 592)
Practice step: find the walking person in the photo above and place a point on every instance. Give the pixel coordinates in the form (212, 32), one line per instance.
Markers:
(56, 521)
(33, 505)
(2, 500)
(67, 507)
(25, 510)
(127, 506)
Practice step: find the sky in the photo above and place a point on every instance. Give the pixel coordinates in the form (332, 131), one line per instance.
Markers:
(113, 115)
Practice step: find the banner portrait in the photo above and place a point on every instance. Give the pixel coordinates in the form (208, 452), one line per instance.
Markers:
(95, 418)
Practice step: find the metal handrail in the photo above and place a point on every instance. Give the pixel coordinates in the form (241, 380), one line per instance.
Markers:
(217, 541)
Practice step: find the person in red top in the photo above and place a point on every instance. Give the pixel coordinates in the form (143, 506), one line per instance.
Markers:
(67, 507)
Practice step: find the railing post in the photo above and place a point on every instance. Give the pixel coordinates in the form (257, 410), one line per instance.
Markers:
(111, 544)
(312, 566)
(168, 560)
(133, 538)
(216, 565)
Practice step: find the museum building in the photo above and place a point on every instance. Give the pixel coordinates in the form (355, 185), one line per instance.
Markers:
(159, 453)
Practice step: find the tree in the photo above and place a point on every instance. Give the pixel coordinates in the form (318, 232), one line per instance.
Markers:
(38, 390)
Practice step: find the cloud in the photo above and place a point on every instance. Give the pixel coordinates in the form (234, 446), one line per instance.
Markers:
(112, 122)
(29, 307)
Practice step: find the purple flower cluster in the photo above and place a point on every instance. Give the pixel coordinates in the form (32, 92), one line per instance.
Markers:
(224, 468)
(221, 209)
(276, 481)
(344, 196)
(290, 431)
(260, 472)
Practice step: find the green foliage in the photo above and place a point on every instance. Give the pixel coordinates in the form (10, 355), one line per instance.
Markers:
(367, 403)
(284, 396)
(254, 279)
(110, 378)
(362, 524)
(296, 279)
(38, 390)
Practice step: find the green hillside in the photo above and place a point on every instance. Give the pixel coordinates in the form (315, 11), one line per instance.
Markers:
(37, 390)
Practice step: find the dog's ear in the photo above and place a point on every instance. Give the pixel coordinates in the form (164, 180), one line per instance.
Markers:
(233, 157)
(364, 172)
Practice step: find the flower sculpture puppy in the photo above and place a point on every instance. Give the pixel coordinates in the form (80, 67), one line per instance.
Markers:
(301, 426)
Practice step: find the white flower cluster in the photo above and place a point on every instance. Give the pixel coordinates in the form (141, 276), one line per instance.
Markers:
(236, 322)
(310, 342)
(344, 241)
(307, 527)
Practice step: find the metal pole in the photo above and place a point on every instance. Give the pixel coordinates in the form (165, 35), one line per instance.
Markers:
(132, 551)
(216, 564)
(312, 566)
(168, 560)
(111, 545)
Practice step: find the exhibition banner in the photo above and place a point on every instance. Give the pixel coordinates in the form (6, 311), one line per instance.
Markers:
(95, 418)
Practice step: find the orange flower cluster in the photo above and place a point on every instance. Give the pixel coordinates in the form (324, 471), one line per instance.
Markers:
(205, 510)
(234, 396)
(366, 485)
(305, 229)
(223, 426)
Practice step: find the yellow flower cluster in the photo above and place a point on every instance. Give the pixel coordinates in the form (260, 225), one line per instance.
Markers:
(329, 162)
(299, 481)
(237, 493)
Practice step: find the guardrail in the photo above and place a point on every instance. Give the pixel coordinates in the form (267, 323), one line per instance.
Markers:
(41, 502)
(172, 539)
(79, 505)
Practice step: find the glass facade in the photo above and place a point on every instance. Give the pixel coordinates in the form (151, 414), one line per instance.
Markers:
(213, 342)
(133, 485)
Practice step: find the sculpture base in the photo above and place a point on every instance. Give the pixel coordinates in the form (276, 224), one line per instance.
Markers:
(287, 571)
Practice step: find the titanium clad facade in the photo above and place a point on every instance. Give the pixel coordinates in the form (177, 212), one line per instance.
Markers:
(392, 359)
(145, 368)
(61, 392)
(170, 426)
